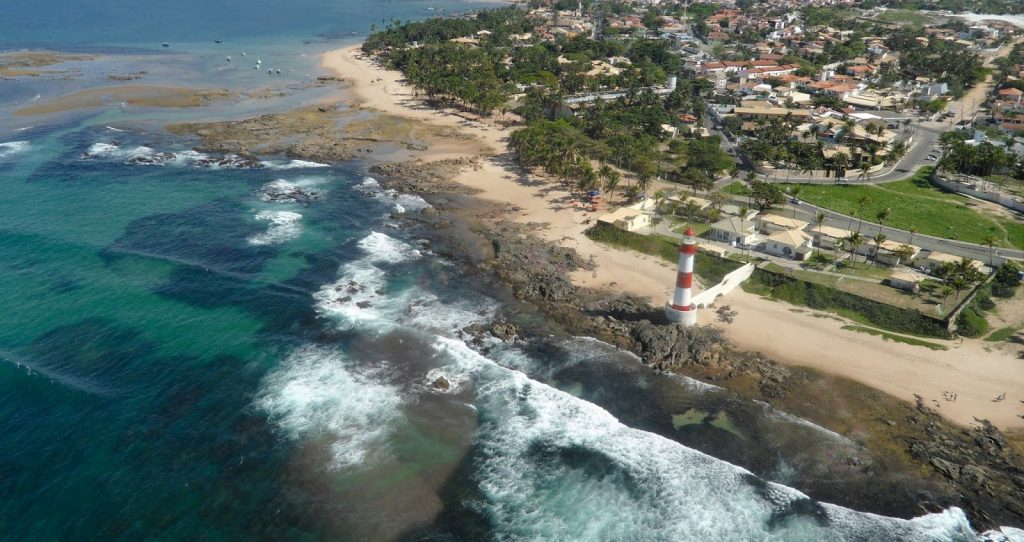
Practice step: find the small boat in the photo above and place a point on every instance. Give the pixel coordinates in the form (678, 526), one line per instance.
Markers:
(228, 59)
(256, 67)
(165, 44)
(243, 53)
(258, 61)
(218, 41)
(270, 71)
(278, 72)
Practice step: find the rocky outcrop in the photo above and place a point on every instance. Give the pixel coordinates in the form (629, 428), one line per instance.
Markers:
(419, 177)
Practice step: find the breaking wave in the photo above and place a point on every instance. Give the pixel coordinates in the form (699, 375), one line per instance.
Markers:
(316, 393)
(401, 203)
(554, 467)
(143, 155)
(13, 147)
(358, 294)
(284, 226)
(292, 164)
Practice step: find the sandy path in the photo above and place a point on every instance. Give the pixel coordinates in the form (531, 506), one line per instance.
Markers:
(976, 376)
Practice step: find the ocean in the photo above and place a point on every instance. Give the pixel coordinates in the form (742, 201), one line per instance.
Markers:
(186, 355)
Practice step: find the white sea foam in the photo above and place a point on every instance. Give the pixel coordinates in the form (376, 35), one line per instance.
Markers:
(284, 226)
(381, 248)
(292, 164)
(13, 147)
(402, 203)
(317, 393)
(554, 467)
(114, 129)
(358, 296)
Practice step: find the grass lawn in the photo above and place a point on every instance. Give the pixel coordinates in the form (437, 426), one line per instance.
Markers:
(916, 203)
(699, 228)
(1001, 334)
(736, 188)
(897, 338)
(865, 270)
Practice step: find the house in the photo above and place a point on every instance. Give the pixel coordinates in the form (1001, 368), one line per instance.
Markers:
(733, 230)
(829, 237)
(934, 260)
(775, 223)
(1011, 95)
(795, 244)
(889, 253)
(627, 218)
(902, 280)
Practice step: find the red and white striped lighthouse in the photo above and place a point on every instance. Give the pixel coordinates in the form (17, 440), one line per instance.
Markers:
(682, 310)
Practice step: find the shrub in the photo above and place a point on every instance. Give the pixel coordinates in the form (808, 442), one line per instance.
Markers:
(817, 296)
(971, 323)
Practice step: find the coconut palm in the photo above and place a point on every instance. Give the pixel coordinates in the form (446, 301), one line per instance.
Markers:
(990, 242)
(861, 202)
(855, 240)
(819, 221)
(878, 239)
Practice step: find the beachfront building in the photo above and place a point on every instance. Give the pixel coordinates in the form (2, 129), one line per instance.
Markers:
(829, 237)
(935, 259)
(627, 218)
(907, 282)
(794, 244)
(733, 230)
(774, 223)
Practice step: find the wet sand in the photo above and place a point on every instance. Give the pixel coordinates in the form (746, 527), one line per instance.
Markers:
(132, 95)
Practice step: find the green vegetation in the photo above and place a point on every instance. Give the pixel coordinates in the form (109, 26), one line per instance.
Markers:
(477, 62)
(860, 309)
(709, 268)
(916, 203)
(1001, 334)
(979, 160)
(896, 338)
(906, 16)
(737, 189)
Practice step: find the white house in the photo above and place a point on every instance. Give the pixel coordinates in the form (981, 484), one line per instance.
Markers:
(793, 244)
(775, 223)
(627, 218)
(733, 230)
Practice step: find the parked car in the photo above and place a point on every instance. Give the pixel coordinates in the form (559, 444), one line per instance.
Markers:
(794, 201)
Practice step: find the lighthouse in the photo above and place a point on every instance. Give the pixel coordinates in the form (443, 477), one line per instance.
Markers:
(682, 310)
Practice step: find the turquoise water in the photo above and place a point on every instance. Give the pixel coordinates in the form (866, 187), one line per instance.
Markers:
(182, 359)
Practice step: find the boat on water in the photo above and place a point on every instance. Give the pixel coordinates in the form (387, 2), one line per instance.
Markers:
(165, 44)
(218, 41)
(228, 58)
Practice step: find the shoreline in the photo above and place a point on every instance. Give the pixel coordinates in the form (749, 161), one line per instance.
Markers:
(790, 337)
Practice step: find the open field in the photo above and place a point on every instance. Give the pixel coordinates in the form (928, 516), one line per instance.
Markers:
(916, 203)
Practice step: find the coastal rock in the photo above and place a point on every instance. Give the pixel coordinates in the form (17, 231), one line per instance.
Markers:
(419, 177)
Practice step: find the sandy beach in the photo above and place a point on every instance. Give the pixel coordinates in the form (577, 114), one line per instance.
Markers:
(976, 376)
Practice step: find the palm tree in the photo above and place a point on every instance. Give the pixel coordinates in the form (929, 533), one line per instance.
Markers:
(990, 242)
(879, 238)
(819, 220)
(864, 200)
(882, 216)
(946, 291)
(959, 284)
(855, 240)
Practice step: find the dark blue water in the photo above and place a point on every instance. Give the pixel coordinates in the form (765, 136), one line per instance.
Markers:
(182, 359)
(63, 24)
